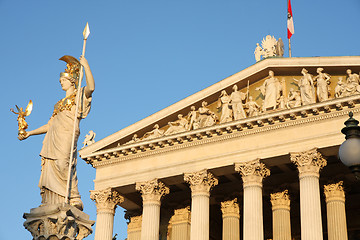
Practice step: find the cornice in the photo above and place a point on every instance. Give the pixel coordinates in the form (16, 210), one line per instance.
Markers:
(267, 122)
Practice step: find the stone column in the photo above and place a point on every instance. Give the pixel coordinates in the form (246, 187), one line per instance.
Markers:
(231, 220)
(335, 205)
(180, 224)
(106, 202)
(253, 174)
(134, 228)
(151, 192)
(200, 183)
(309, 164)
(280, 202)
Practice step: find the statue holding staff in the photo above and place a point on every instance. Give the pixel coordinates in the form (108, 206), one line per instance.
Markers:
(57, 145)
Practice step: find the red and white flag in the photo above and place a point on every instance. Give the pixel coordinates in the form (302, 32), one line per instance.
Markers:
(290, 21)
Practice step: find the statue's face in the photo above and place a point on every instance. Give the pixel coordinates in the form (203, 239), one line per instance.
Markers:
(65, 83)
(271, 73)
(348, 71)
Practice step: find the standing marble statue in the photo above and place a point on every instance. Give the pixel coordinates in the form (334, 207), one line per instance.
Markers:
(224, 104)
(307, 89)
(322, 81)
(55, 153)
(271, 90)
(258, 52)
(237, 99)
(193, 118)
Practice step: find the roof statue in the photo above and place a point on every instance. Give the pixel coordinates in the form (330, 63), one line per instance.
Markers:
(89, 138)
(270, 47)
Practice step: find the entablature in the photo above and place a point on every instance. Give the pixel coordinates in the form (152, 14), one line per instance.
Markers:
(235, 129)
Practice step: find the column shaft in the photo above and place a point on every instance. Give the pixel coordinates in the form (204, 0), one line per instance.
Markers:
(151, 191)
(253, 214)
(281, 224)
(309, 164)
(280, 202)
(310, 208)
(231, 220)
(180, 231)
(134, 228)
(180, 224)
(253, 174)
(106, 201)
(104, 226)
(200, 182)
(231, 228)
(150, 221)
(336, 216)
(199, 217)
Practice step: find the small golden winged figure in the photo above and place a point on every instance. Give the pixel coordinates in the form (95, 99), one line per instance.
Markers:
(21, 117)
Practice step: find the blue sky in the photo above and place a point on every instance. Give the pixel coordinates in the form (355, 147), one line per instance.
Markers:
(145, 55)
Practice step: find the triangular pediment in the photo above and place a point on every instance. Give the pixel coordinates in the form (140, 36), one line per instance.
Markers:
(252, 79)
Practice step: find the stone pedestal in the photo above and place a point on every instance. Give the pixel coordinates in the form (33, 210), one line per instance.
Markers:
(280, 202)
(309, 164)
(151, 192)
(231, 220)
(253, 174)
(106, 201)
(180, 224)
(134, 228)
(336, 216)
(200, 183)
(58, 222)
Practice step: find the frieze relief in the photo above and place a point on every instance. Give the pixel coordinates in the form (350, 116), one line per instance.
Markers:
(271, 94)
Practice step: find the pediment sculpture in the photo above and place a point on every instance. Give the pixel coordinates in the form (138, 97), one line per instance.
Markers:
(240, 104)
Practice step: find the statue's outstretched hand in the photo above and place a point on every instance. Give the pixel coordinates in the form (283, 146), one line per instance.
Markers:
(23, 136)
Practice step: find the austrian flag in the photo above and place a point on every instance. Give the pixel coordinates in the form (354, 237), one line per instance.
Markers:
(290, 22)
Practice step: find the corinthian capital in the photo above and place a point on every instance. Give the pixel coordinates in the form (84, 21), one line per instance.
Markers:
(280, 200)
(135, 223)
(201, 181)
(253, 168)
(152, 190)
(181, 215)
(334, 191)
(230, 208)
(308, 161)
(106, 200)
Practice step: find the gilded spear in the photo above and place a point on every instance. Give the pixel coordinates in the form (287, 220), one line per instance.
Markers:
(86, 34)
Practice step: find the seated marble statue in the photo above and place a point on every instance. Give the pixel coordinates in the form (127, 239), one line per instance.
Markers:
(294, 99)
(253, 109)
(56, 150)
(177, 126)
(207, 117)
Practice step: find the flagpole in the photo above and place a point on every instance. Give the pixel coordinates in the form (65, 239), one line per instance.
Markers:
(67, 196)
(289, 48)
